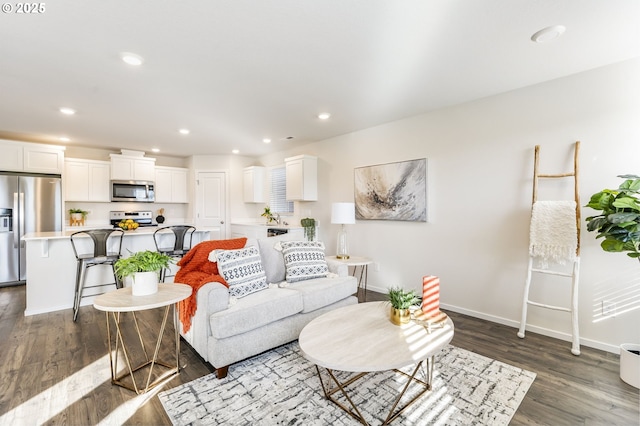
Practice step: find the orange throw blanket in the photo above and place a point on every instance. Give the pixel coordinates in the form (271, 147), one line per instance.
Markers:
(196, 270)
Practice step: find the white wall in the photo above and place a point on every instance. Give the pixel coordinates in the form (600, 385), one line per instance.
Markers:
(480, 161)
(233, 165)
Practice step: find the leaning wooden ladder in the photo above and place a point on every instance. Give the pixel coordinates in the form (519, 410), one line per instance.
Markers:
(574, 275)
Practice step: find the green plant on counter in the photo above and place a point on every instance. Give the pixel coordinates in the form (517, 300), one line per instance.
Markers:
(402, 299)
(267, 214)
(84, 213)
(142, 261)
(309, 225)
(619, 220)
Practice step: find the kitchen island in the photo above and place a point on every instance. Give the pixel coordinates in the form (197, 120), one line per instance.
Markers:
(51, 267)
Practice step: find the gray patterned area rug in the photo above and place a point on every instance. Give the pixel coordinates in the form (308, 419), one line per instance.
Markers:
(281, 387)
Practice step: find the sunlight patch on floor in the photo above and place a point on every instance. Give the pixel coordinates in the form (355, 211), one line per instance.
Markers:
(48, 404)
(127, 409)
(52, 401)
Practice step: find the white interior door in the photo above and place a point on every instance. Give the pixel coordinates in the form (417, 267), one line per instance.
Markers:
(211, 203)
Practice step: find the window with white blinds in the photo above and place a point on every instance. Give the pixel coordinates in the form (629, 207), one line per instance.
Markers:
(278, 201)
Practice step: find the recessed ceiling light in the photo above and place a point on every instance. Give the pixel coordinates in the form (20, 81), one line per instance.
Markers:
(67, 111)
(266, 140)
(324, 116)
(236, 151)
(132, 59)
(64, 139)
(184, 131)
(548, 34)
(155, 150)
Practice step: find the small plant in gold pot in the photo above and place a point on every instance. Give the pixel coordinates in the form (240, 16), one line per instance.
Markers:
(400, 301)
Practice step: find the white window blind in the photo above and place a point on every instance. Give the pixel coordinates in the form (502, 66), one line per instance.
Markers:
(278, 201)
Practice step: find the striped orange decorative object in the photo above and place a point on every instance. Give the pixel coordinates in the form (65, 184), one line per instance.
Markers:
(431, 299)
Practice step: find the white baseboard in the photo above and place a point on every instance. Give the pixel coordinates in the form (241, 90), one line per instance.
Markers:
(534, 329)
(516, 325)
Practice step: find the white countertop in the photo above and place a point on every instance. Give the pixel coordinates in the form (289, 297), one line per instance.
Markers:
(145, 230)
(264, 225)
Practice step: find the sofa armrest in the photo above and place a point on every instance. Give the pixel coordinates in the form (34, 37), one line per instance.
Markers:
(211, 297)
(338, 268)
(216, 298)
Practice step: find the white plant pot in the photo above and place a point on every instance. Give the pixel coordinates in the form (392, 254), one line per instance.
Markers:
(144, 283)
(630, 364)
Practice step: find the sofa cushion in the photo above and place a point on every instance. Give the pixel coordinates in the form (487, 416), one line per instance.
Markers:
(272, 260)
(242, 270)
(255, 311)
(320, 292)
(304, 260)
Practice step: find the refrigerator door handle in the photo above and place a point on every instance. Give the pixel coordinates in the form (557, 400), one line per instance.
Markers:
(21, 216)
(14, 219)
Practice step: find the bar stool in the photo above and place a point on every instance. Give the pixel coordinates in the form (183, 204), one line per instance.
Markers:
(99, 255)
(174, 241)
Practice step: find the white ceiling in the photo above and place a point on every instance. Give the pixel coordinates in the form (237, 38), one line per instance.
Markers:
(237, 71)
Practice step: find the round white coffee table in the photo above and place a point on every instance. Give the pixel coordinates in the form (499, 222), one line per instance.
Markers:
(361, 338)
(121, 300)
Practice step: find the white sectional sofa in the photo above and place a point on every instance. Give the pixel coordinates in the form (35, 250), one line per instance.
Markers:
(225, 329)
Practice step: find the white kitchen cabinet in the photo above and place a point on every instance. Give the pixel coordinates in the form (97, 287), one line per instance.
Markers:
(171, 185)
(302, 178)
(125, 167)
(86, 180)
(27, 157)
(12, 156)
(253, 184)
(43, 159)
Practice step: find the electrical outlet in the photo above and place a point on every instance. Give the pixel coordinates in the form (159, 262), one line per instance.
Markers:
(376, 267)
(608, 309)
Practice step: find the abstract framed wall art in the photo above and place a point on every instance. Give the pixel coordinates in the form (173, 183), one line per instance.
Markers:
(392, 191)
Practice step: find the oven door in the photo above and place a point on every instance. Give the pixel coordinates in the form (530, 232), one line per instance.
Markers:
(132, 191)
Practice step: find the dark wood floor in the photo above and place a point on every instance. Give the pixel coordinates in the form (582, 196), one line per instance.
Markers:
(54, 371)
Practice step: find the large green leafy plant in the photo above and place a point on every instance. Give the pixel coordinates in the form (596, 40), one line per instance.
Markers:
(619, 220)
(142, 261)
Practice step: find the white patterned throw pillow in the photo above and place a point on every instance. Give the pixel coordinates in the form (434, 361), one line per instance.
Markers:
(304, 260)
(242, 270)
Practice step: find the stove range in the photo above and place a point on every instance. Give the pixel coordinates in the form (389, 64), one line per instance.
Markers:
(142, 218)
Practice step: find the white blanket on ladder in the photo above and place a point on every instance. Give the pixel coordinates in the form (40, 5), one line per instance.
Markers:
(553, 236)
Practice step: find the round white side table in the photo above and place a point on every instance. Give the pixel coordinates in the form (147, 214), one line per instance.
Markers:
(116, 302)
(361, 262)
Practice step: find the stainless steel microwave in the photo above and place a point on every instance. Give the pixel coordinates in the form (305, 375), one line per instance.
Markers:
(132, 190)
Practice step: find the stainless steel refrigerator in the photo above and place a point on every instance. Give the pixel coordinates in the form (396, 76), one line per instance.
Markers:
(28, 203)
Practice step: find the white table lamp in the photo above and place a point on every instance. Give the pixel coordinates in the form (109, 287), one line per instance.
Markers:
(343, 214)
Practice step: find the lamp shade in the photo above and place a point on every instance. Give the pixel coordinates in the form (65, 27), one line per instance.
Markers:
(343, 213)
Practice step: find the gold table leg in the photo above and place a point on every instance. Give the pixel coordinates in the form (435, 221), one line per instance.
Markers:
(117, 345)
(393, 413)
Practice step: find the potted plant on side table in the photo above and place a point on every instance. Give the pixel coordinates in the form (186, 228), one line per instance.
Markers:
(619, 224)
(143, 268)
(401, 300)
